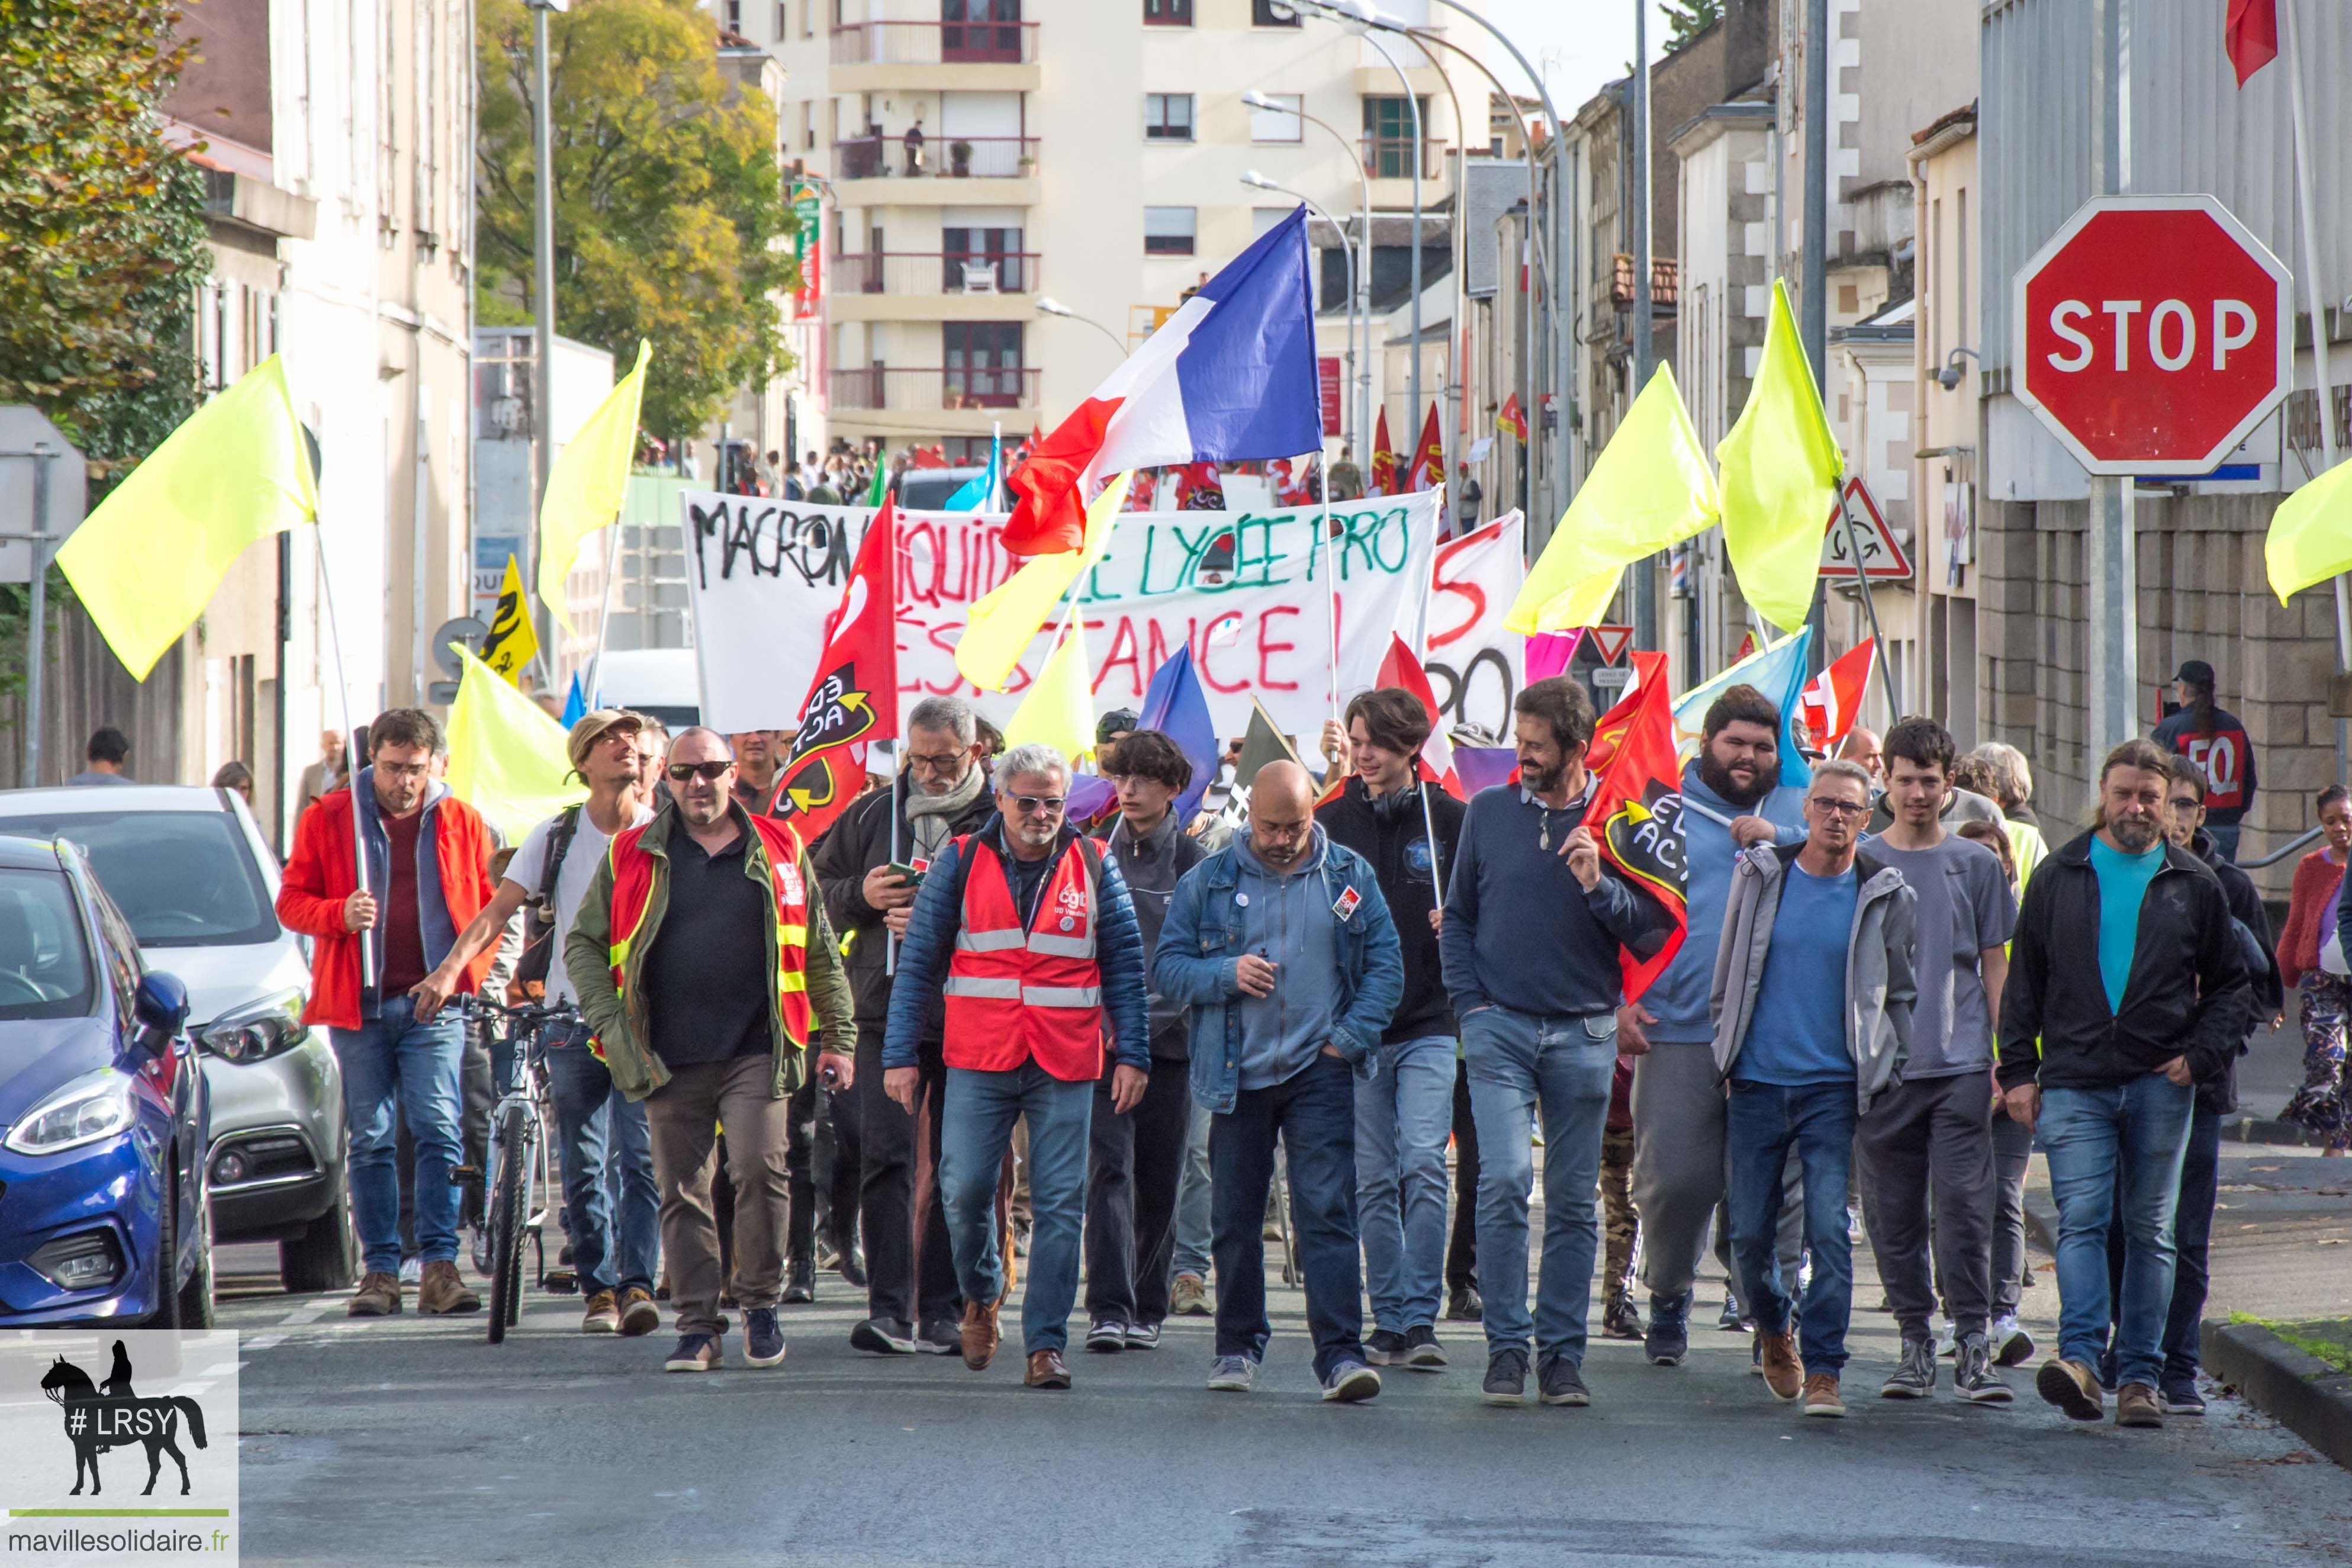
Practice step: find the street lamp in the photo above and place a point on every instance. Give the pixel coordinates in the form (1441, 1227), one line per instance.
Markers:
(1259, 182)
(1049, 306)
(542, 153)
(1360, 296)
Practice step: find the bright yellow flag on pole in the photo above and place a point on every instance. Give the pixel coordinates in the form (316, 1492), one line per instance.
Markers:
(2311, 534)
(588, 483)
(506, 757)
(1780, 473)
(512, 644)
(1650, 487)
(1059, 710)
(1002, 623)
(149, 559)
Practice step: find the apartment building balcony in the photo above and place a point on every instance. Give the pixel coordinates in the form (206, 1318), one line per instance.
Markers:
(1391, 157)
(934, 286)
(947, 171)
(952, 399)
(970, 55)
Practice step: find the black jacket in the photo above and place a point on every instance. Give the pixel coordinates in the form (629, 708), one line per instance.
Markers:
(1152, 866)
(1390, 834)
(2188, 994)
(2268, 988)
(856, 843)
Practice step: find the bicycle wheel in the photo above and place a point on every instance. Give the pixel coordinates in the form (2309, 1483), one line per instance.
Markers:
(523, 1211)
(506, 1221)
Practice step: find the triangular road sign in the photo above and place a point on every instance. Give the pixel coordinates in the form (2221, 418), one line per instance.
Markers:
(1883, 558)
(1611, 642)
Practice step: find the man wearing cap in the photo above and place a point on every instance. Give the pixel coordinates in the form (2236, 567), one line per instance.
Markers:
(552, 869)
(2215, 740)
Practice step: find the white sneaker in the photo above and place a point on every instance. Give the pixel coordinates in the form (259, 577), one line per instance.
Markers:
(2011, 1346)
(1232, 1374)
(411, 1270)
(1947, 1337)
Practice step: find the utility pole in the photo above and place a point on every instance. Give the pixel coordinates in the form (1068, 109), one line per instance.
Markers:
(1645, 570)
(2109, 558)
(543, 419)
(1812, 324)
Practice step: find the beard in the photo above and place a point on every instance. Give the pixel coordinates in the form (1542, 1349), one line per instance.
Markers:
(1542, 781)
(1727, 784)
(2135, 835)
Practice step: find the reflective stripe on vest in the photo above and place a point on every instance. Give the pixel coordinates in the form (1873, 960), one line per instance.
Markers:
(633, 875)
(1015, 992)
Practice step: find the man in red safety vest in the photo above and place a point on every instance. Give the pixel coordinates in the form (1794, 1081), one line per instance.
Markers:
(1024, 934)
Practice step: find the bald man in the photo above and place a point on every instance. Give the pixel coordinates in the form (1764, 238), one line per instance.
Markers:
(1860, 744)
(1282, 947)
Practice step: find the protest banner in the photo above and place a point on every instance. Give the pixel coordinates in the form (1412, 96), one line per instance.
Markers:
(1473, 663)
(1243, 590)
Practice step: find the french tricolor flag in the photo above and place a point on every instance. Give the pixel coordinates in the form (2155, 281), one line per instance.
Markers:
(1229, 378)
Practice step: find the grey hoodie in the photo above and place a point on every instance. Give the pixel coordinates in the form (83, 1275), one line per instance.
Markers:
(1881, 975)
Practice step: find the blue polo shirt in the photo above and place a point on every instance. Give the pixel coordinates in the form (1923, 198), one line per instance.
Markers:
(1796, 1032)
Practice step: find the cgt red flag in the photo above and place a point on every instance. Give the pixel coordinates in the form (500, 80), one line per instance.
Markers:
(1428, 470)
(854, 700)
(2251, 35)
(1402, 669)
(1384, 469)
(1833, 701)
(1510, 419)
(1637, 800)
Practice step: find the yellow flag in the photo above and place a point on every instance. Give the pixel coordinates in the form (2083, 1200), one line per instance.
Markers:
(148, 560)
(512, 642)
(1650, 487)
(506, 757)
(585, 487)
(1001, 623)
(1059, 710)
(2311, 534)
(1780, 467)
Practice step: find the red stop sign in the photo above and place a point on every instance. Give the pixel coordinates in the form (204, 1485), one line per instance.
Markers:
(2152, 334)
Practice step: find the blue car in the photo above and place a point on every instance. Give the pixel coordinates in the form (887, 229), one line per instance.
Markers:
(104, 1118)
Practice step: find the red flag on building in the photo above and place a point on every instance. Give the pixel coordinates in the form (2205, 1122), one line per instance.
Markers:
(1402, 669)
(1428, 470)
(1637, 803)
(1833, 699)
(1512, 418)
(854, 699)
(1384, 470)
(2251, 35)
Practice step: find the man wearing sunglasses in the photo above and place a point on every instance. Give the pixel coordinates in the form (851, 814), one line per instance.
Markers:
(1024, 943)
(706, 970)
(862, 866)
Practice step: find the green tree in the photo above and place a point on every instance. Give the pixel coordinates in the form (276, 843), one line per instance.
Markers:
(671, 217)
(1685, 19)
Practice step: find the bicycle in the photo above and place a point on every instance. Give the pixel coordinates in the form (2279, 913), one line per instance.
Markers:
(517, 1178)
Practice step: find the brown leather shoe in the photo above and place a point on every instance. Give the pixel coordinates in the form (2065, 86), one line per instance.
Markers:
(441, 1292)
(1784, 1374)
(1821, 1396)
(2136, 1405)
(377, 1297)
(603, 1315)
(1046, 1371)
(2069, 1386)
(979, 1335)
(639, 1313)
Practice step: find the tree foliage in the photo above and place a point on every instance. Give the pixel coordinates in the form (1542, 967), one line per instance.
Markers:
(670, 210)
(1685, 19)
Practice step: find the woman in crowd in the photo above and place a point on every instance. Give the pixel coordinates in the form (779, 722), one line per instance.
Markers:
(2324, 1103)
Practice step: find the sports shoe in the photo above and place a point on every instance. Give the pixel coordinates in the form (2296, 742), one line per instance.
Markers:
(1462, 1305)
(478, 1244)
(1421, 1351)
(2179, 1396)
(1821, 1396)
(1506, 1378)
(2071, 1386)
(1190, 1298)
(1106, 1335)
(1947, 1338)
(411, 1270)
(1972, 1377)
(1784, 1374)
(884, 1336)
(1668, 1340)
(1914, 1376)
(695, 1352)
(1559, 1383)
(1232, 1374)
(1384, 1347)
(603, 1315)
(1143, 1337)
(1728, 1319)
(2136, 1405)
(2011, 1346)
(940, 1336)
(1618, 1319)
(763, 1337)
(1351, 1383)
(639, 1313)
(800, 1280)
(980, 1334)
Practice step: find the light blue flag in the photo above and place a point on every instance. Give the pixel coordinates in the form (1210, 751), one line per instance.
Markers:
(1780, 673)
(981, 490)
(575, 704)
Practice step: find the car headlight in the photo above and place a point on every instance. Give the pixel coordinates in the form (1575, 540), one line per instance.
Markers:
(94, 1106)
(257, 1031)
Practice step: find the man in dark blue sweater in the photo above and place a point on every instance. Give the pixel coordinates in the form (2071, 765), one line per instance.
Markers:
(1533, 928)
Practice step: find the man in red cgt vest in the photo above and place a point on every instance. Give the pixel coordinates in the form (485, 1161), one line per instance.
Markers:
(705, 968)
(1024, 934)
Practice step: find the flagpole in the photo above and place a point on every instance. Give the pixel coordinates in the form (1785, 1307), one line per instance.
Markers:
(1429, 826)
(344, 695)
(604, 617)
(1330, 582)
(1869, 602)
(995, 460)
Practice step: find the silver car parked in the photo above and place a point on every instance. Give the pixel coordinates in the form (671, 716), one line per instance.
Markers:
(190, 869)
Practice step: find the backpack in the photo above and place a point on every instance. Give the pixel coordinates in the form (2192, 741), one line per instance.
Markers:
(539, 910)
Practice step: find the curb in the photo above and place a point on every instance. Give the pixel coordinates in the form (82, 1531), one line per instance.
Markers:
(2306, 1395)
(2262, 1130)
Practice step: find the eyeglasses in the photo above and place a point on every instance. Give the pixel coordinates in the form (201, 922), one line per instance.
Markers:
(1838, 807)
(2188, 802)
(682, 771)
(1282, 830)
(941, 763)
(404, 769)
(1037, 805)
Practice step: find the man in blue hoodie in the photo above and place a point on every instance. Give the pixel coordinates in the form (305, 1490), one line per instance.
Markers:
(1732, 797)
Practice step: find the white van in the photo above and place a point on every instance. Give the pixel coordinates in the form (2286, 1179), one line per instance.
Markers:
(661, 682)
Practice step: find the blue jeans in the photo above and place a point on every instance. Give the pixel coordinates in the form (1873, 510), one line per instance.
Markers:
(1404, 1113)
(1763, 1123)
(591, 1118)
(1313, 1112)
(1192, 1200)
(391, 1056)
(2192, 1239)
(1521, 1066)
(975, 1129)
(2134, 1134)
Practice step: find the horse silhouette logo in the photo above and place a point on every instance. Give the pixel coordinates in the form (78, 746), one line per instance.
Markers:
(98, 1419)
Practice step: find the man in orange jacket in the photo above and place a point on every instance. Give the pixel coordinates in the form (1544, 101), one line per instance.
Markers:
(428, 873)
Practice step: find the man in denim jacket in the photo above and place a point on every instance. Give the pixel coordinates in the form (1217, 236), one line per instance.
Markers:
(1283, 948)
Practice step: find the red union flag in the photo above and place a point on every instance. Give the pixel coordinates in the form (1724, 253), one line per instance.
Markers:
(2152, 334)
(1637, 802)
(854, 700)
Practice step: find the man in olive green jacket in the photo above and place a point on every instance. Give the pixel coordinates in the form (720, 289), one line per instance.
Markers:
(725, 946)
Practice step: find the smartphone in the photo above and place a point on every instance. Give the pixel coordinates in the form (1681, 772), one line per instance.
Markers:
(914, 878)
